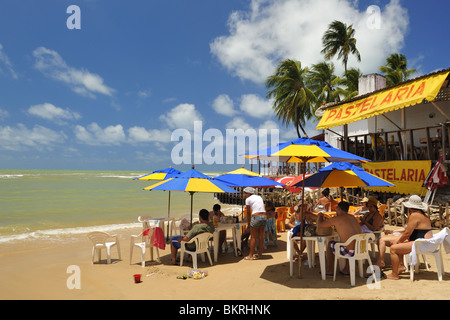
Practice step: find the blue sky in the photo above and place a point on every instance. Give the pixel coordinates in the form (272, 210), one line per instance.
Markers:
(111, 94)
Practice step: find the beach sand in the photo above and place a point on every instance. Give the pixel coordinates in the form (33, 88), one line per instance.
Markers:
(38, 270)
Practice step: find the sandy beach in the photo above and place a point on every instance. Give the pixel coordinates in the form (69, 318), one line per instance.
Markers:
(38, 270)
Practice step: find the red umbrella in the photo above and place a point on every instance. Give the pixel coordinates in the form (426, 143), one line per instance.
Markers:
(291, 180)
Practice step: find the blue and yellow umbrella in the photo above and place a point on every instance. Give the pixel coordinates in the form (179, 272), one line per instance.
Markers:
(346, 175)
(192, 181)
(163, 174)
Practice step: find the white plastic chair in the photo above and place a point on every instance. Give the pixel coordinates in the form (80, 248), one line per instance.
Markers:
(201, 246)
(361, 254)
(147, 242)
(99, 242)
(429, 247)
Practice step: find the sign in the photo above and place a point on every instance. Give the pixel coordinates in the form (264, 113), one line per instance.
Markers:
(407, 176)
(387, 100)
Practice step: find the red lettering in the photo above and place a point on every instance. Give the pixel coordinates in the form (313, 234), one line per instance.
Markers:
(387, 99)
(347, 112)
(330, 114)
(400, 93)
(389, 174)
(420, 89)
(422, 175)
(410, 174)
(403, 176)
(410, 90)
(373, 103)
(339, 115)
(365, 104)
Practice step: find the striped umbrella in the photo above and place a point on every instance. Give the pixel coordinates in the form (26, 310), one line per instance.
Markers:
(161, 175)
(192, 181)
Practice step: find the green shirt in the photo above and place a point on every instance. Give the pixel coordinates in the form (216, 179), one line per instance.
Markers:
(196, 230)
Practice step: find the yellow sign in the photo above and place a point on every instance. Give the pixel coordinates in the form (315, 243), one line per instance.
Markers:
(407, 176)
(388, 100)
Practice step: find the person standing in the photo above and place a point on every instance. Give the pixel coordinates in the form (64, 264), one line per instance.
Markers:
(256, 221)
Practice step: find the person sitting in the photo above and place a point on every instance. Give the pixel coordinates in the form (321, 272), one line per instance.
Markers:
(363, 209)
(218, 214)
(371, 221)
(295, 223)
(346, 226)
(418, 226)
(325, 199)
(270, 233)
(202, 227)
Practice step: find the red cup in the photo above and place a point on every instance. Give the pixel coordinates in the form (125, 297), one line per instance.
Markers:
(137, 278)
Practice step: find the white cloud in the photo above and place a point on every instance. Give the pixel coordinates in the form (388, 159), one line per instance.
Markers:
(256, 106)
(96, 136)
(224, 105)
(238, 123)
(80, 81)
(182, 116)
(7, 63)
(273, 30)
(140, 134)
(3, 114)
(21, 138)
(50, 112)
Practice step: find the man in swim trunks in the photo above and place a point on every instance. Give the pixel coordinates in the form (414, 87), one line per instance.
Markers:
(346, 225)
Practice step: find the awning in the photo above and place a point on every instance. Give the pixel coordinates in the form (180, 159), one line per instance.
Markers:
(407, 94)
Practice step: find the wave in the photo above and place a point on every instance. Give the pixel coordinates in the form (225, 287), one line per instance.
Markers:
(52, 234)
(10, 176)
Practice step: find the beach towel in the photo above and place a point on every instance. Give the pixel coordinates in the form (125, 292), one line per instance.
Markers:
(158, 238)
(431, 245)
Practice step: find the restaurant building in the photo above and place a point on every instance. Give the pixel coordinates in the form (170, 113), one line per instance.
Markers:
(404, 129)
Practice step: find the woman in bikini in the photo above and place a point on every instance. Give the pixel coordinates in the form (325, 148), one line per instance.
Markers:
(418, 226)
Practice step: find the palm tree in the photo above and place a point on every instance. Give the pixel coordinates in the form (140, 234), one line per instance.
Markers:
(396, 70)
(293, 100)
(323, 82)
(348, 84)
(339, 39)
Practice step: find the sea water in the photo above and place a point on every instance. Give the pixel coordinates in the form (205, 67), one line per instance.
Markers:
(39, 204)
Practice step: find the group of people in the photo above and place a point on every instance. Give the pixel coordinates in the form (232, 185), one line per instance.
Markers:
(261, 225)
(368, 220)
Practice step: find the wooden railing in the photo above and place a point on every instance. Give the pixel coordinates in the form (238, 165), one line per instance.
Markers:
(426, 143)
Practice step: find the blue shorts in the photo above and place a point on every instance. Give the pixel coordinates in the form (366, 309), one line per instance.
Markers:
(175, 242)
(258, 221)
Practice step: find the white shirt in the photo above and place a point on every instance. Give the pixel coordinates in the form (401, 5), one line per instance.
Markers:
(256, 204)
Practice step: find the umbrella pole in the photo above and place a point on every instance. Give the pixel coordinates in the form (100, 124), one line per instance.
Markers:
(302, 228)
(192, 203)
(168, 213)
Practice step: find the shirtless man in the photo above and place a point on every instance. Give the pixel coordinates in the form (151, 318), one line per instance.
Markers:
(346, 226)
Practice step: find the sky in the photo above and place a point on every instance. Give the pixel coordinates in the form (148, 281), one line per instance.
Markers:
(143, 85)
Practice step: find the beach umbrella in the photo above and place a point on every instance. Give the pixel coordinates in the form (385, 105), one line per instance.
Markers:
(163, 174)
(290, 182)
(346, 175)
(246, 178)
(304, 150)
(192, 181)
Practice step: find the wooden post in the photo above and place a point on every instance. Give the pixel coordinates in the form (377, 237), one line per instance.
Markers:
(447, 212)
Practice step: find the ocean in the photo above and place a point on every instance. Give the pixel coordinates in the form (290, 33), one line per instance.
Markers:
(43, 204)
